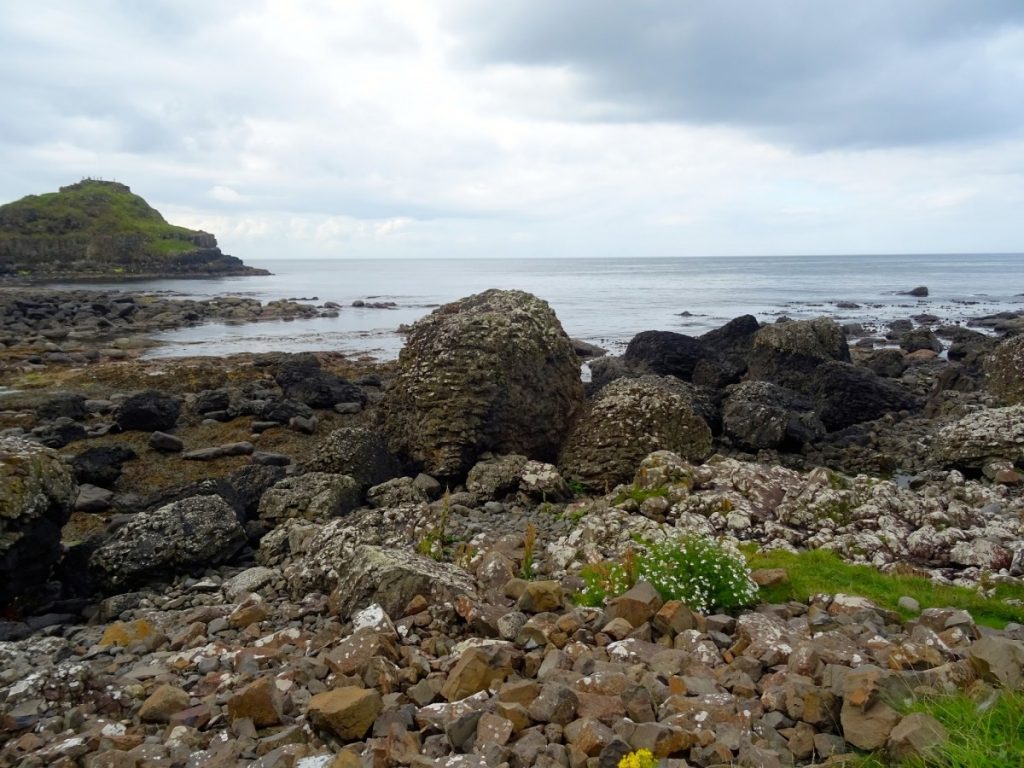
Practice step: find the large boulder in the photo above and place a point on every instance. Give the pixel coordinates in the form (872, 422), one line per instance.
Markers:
(304, 380)
(492, 372)
(313, 496)
(148, 411)
(759, 414)
(994, 433)
(358, 452)
(849, 394)
(675, 354)
(734, 340)
(158, 543)
(101, 465)
(1004, 371)
(36, 495)
(785, 353)
(626, 421)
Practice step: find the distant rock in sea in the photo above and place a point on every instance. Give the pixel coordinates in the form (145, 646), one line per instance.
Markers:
(101, 230)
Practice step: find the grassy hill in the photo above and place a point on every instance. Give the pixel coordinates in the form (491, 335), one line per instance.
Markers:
(100, 229)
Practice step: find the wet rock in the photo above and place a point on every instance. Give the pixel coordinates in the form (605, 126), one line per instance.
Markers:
(918, 339)
(734, 340)
(148, 411)
(785, 353)
(509, 378)
(919, 292)
(626, 421)
(674, 354)
(36, 496)
(849, 394)
(197, 531)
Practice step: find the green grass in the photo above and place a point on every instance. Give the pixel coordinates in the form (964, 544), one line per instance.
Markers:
(640, 495)
(819, 571)
(982, 734)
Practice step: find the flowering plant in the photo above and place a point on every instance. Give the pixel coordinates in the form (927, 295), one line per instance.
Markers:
(702, 572)
(642, 758)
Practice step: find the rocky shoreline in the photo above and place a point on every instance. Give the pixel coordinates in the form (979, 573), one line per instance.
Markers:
(255, 561)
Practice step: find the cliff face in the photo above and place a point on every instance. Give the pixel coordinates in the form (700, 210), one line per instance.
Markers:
(100, 229)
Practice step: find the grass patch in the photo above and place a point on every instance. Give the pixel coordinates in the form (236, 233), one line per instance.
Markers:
(982, 734)
(820, 570)
(640, 495)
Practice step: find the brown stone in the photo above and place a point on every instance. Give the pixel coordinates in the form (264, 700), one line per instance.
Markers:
(515, 714)
(769, 577)
(478, 667)
(348, 712)
(164, 702)
(493, 729)
(866, 718)
(260, 701)
(193, 717)
(126, 633)
(556, 704)
(917, 736)
(999, 660)
(541, 596)
(637, 605)
(353, 653)
(250, 611)
(673, 617)
(589, 736)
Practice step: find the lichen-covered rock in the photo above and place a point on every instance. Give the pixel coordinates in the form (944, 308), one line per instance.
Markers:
(492, 372)
(629, 419)
(759, 414)
(786, 352)
(392, 493)
(496, 477)
(313, 496)
(358, 452)
(37, 492)
(993, 433)
(1004, 371)
(920, 338)
(198, 531)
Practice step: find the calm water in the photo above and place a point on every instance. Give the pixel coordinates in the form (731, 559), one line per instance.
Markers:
(605, 301)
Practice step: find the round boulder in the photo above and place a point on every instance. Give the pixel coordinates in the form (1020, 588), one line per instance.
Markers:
(1004, 371)
(992, 433)
(786, 352)
(358, 452)
(492, 372)
(674, 354)
(850, 394)
(194, 532)
(629, 419)
(920, 338)
(37, 492)
(149, 411)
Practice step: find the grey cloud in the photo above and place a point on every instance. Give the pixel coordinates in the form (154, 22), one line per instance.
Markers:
(814, 73)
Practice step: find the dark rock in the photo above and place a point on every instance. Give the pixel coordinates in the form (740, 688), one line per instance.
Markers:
(509, 377)
(148, 412)
(734, 340)
(889, 363)
(674, 354)
(920, 338)
(759, 414)
(849, 394)
(101, 466)
(92, 498)
(219, 451)
(251, 482)
(60, 432)
(357, 452)
(195, 532)
(271, 459)
(304, 380)
(210, 400)
(281, 411)
(161, 441)
(787, 353)
(67, 405)
(920, 291)
(36, 495)
(1004, 371)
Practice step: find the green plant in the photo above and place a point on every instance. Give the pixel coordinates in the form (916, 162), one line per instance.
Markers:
(641, 758)
(703, 573)
(529, 542)
(577, 489)
(816, 571)
(640, 495)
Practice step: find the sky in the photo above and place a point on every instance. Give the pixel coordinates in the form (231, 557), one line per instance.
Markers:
(531, 128)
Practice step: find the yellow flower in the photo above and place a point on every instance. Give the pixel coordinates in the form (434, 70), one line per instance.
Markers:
(642, 758)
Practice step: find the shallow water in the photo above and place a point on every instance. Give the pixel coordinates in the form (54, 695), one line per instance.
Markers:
(605, 301)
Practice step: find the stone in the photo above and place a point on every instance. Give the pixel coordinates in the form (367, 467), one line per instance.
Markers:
(758, 414)
(786, 353)
(637, 605)
(92, 498)
(242, 448)
(510, 380)
(197, 531)
(359, 452)
(556, 704)
(867, 719)
(479, 667)
(148, 412)
(127, 633)
(302, 378)
(992, 433)
(917, 737)
(666, 353)
(348, 712)
(999, 660)
(312, 496)
(101, 466)
(37, 492)
(626, 421)
(161, 441)
(164, 702)
(259, 701)
(541, 596)
(1004, 371)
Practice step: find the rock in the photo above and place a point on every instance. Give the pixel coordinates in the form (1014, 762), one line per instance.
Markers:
(785, 353)
(259, 701)
(303, 379)
(148, 411)
(392, 577)
(637, 605)
(479, 667)
(867, 719)
(626, 421)
(357, 452)
(734, 340)
(674, 354)
(348, 712)
(219, 451)
(917, 737)
(849, 394)
(889, 363)
(496, 477)
(993, 433)
(999, 660)
(161, 441)
(541, 596)
(556, 704)
(36, 496)
(492, 372)
(312, 496)
(1004, 371)
(125, 634)
(162, 703)
(62, 405)
(392, 493)
(101, 466)
(918, 339)
(919, 292)
(759, 414)
(198, 531)
(92, 498)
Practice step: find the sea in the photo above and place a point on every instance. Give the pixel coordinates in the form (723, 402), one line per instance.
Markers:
(604, 301)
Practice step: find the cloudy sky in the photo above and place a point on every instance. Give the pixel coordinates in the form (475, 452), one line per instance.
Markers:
(531, 128)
